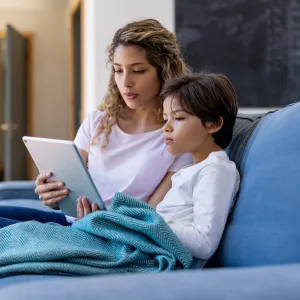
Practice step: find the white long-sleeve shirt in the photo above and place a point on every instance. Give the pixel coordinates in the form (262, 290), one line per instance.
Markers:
(197, 206)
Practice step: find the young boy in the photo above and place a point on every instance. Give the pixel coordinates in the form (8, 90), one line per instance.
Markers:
(199, 113)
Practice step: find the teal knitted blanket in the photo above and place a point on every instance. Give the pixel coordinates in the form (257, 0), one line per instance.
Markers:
(130, 237)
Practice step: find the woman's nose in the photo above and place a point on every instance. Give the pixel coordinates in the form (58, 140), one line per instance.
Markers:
(127, 80)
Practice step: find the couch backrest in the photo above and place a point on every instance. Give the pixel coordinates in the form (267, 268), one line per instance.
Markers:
(264, 226)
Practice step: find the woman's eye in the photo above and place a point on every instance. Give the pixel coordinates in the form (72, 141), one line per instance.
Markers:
(165, 121)
(139, 71)
(118, 71)
(179, 119)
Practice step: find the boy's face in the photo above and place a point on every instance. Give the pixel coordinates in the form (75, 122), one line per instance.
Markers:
(184, 132)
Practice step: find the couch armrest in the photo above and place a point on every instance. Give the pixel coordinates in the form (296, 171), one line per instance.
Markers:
(17, 190)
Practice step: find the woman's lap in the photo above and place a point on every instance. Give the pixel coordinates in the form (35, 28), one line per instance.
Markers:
(15, 214)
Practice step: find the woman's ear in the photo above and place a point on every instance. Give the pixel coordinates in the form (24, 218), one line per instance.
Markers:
(213, 127)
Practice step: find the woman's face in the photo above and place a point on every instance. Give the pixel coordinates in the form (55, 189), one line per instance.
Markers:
(136, 78)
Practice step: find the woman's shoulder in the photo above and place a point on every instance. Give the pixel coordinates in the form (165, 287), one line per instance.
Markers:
(95, 115)
(94, 118)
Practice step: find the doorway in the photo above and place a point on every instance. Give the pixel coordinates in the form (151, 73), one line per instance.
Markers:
(76, 107)
(2, 49)
(15, 103)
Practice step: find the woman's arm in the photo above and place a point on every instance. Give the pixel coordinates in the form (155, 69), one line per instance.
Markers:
(161, 190)
(84, 155)
(158, 195)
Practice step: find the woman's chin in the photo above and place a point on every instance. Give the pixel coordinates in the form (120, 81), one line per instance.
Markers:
(131, 105)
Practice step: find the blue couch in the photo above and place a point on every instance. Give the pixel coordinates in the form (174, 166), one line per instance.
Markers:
(259, 255)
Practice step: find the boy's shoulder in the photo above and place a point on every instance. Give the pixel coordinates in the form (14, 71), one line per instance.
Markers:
(220, 160)
(216, 161)
(219, 163)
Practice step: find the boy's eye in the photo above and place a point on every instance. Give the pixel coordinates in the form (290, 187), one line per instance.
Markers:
(165, 121)
(179, 119)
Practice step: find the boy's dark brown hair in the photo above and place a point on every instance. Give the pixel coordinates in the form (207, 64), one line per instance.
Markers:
(208, 96)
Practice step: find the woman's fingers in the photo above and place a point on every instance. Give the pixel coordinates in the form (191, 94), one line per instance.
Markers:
(84, 207)
(41, 178)
(80, 212)
(53, 200)
(42, 187)
(46, 187)
(95, 207)
(54, 194)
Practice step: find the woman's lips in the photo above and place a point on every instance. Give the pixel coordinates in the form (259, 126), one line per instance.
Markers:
(131, 96)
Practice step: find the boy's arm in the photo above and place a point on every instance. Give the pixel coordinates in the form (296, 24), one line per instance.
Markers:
(213, 196)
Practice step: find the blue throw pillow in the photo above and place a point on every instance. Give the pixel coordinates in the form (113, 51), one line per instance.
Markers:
(264, 227)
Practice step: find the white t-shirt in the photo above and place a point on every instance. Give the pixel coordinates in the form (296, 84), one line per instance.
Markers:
(133, 164)
(197, 206)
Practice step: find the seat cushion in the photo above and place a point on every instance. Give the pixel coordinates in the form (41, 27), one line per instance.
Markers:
(29, 203)
(270, 283)
(17, 189)
(264, 227)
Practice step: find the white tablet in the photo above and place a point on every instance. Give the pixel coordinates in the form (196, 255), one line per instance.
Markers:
(64, 161)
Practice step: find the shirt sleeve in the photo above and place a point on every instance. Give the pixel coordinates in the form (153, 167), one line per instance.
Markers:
(181, 161)
(213, 196)
(86, 131)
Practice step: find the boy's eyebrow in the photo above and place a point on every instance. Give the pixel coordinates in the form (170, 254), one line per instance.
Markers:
(176, 111)
(134, 64)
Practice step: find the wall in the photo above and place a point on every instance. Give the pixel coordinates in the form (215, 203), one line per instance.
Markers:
(102, 19)
(48, 21)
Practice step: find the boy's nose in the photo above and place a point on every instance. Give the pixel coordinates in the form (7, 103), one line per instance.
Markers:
(167, 127)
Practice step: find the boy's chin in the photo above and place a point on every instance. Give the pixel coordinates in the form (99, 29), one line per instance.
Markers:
(174, 151)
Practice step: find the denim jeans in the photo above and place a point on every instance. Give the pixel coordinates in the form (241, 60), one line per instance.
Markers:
(15, 214)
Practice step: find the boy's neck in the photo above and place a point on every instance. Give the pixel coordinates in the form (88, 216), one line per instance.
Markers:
(199, 156)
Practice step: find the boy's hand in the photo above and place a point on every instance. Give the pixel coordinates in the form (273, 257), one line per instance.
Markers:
(84, 207)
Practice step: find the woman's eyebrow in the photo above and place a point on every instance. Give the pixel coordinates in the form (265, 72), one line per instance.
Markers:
(134, 64)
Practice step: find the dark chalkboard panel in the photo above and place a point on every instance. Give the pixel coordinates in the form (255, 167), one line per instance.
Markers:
(256, 43)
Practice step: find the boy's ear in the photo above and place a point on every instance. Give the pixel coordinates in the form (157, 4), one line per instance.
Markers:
(213, 127)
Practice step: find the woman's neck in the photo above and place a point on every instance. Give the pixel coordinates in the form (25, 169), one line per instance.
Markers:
(140, 120)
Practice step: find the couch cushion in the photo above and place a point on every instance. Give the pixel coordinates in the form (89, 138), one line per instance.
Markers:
(29, 203)
(244, 126)
(17, 189)
(264, 227)
(269, 283)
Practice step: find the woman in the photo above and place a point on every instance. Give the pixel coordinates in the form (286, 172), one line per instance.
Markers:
(122, 142)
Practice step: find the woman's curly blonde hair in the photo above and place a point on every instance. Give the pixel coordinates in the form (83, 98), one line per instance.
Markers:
(162, 51)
